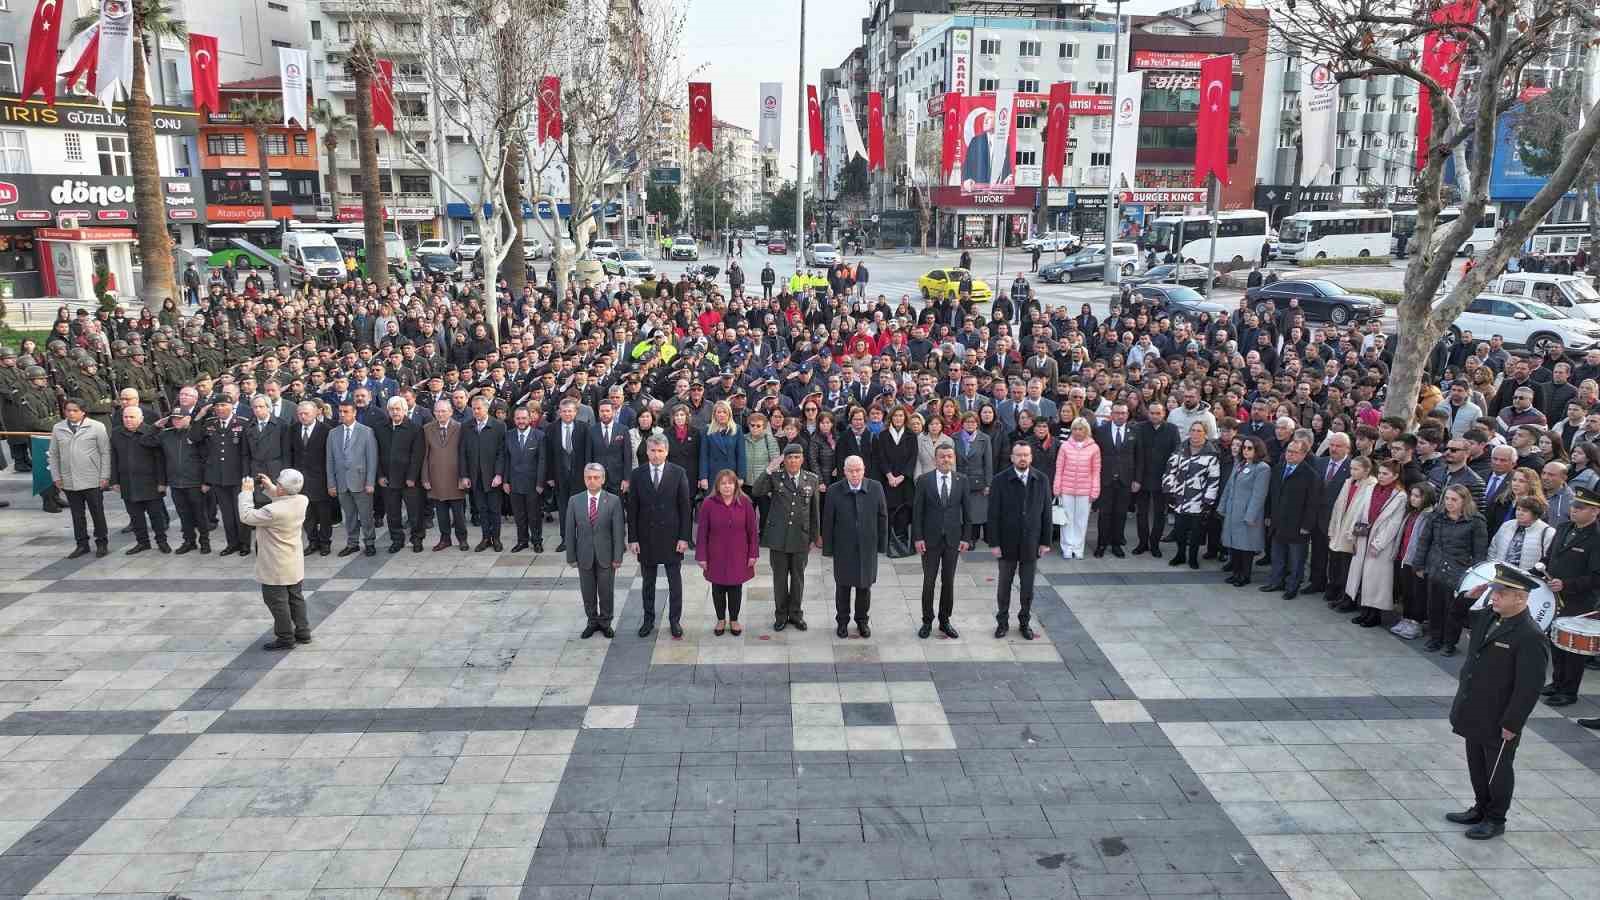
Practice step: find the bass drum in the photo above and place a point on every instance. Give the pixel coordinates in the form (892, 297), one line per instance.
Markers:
(1541, 600)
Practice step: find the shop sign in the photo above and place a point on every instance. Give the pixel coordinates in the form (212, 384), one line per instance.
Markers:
(218, 213)
(1167, 59)
(1020, 198)
(1165, 196)
(1268, 195)
(87, 116)
(84, 234)
(1172, 81)
(43, 198)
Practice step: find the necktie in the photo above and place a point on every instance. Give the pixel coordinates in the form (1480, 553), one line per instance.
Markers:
(594, 510)
(655, 476)
(522, 440)
(944, 488)
(1494, 485)
(1333, 469)
(347, 432)
(306, 439)
(1288, 470)
(566, 438)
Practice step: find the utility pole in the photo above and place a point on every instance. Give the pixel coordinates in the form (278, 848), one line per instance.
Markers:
(800, 149)
(1112, 273)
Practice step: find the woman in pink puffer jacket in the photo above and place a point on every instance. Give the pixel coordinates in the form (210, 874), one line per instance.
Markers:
(1077, 485)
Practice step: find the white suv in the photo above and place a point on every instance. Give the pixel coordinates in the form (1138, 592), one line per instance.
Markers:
(1525, 323)
(469, 247)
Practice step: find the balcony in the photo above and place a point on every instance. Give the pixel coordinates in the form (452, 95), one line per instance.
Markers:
(1349, 121)
(1291, 82)
(1405, 87)
(1095, 176)
(1284, 165)
(1349, 88)
(402, 85)
(1375, 121)
(1378, 85)
(1402, 123)
(1347, 156)
(369, 8)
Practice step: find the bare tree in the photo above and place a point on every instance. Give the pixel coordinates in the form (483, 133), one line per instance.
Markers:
(923, 177)
(1370, 38)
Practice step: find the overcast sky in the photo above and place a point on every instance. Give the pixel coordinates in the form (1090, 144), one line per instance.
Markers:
(737, 44)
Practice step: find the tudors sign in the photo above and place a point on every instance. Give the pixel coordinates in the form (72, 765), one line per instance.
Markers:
(72, 115)
(90, 198)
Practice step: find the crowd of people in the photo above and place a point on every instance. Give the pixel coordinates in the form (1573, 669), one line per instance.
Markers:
(684, 418)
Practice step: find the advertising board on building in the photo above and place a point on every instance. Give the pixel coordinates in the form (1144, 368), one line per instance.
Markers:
(90, 198)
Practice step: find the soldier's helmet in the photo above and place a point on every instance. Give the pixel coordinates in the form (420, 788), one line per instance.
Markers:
(7, 353)
(26, 360)
(35, 372)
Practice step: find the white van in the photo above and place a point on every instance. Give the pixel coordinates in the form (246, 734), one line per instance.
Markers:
(1572, 294)
(314, 257)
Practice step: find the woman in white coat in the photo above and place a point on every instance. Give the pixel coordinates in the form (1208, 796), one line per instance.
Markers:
(1341, 531)
(1524, 538)
(1380, 514)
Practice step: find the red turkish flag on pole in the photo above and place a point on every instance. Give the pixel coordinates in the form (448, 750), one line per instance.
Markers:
(1211, 124)
(550, 109)
(383, 95)
(700, 115)
(874, 131)
(1056, 125)
(814, 120)
(1441, 59)
(43, 40)
(951, 150)
(203, 72)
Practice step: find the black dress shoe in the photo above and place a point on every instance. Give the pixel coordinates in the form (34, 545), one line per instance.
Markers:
(349, 550)
(798, 623)
(1140, 548)
(416, 546)
(779, 625)
(589, 631)
(81, 550)
(101, 550)
(228, 551)
(1590, 723)
(163, 546)
(1117, 552)
(1471, 816)
(302, 639)
(1432, 646)
(925, 630)
(1026, 631)
(1291, 593)
(1346, 605)
(397, 546)
(1485, 830)
(948, 630)
(244, 551)
(1155, 552)
(647, 626)
(1548, 690)
(324, 550)
(370, 550)
(1001, 630)
(1449, 650)
(137, 549)
(463, 546)
(561, 547)
(842, 631)
(676, 629)
(279, 644)
(519, 547)
(1560, 700)
(442, 545)
(538, 546)
(1271, 588)
(863, 630)
(498, 547)
(607, 631)
(126, 529)
(482, 546)
(1177, 560)
(185, 547)
(1099, 552)
(206, 548)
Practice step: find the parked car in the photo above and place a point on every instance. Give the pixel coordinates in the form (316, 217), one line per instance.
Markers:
(439, 265)
(821, 255)
(603, 245)
(628, 263)
(436, 245)
(1168, 273)
(1051, 241)
(684, 247)
(1573, 294)
(938, 283)
(1320, 300)
(469, 247)
(777, 244)
(532, 249)
(1179, 302)
(1090, 263)
(1525, 324)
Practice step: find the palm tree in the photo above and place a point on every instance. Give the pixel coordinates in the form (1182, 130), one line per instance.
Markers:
(363, 65)
(333, 123)
(260, 115)
(152, 20)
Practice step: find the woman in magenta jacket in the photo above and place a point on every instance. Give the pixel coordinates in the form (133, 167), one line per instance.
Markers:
(726, 547)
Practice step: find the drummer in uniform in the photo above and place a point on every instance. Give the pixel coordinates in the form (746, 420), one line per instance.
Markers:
(1573, 566)
(1499, 686)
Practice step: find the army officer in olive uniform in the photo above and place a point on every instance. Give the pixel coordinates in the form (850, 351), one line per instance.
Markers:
(793, 526)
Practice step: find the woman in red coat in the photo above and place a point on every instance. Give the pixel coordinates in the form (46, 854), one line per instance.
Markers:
(726, 547)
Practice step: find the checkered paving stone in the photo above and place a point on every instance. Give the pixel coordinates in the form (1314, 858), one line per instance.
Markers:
(448, 735)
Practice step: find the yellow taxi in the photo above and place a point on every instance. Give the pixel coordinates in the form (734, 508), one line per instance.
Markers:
(938, 283)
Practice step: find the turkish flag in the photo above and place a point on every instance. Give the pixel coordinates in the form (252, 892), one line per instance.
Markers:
(203, 71)
(874, 131)
(951, 149)
(43, 39)
(700, 115)
(550, 109)
(1211, 124)
(1441, 59)
(1055, 141)
(383, 95)
(814, 120)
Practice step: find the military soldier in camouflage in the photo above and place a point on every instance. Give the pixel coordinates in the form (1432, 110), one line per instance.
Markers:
(95, 390)
(35, 408)
(12, 380)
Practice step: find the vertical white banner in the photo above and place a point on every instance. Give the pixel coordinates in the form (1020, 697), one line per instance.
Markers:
(114, 67)
(1125, 129)
(852, 131)
(771, 116)
(910, 128)
(1318, 95)
(1005, 105)
(292, 73)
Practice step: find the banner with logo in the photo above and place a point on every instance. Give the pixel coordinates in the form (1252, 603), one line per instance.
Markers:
(114, 69)
(292, 74)
(1003, 149)
(978, 152)
(203, 73)
(960, 61)
(1211, 122)
(770, 129)
(40, 73)
(909, 128)
(1319, 94)
(853, 146)
(1125, 129)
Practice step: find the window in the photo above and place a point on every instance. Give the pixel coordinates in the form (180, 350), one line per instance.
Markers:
(113, 152)
(1098, 87)
(280, 7)
(13, 151)
(1028, 85)
(1026, 158)
(225, 144)
(409, 31)
(8, 68)
(989, 46)
(284, 44)
(416, 184)
(409, 70)
(1026, 122)
(1067, 51)
(1103, 52)
(316, 29)
(302, 145)
(988, 85)
(74, 146)
(277, 144)
(1099, 159)
(1029, 48)
(345, 32)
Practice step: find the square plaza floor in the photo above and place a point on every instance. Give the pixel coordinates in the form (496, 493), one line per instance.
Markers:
(449, 736)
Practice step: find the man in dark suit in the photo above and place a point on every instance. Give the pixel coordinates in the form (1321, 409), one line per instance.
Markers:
(1019, 520)
(266, 441)
(1155, 440)
(1333, 472)
(1497, 496)
(308, 454)
(658, 530)
(593, 521)
(525, 479)
(611, 446)
(1291, 515)
(1118, 472)
(938, 515)
(483, 465)
(567, 450)
(400, 474)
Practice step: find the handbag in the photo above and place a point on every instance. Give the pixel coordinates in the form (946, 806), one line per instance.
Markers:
(1361, 529)
(1058, 514)
(899, 544)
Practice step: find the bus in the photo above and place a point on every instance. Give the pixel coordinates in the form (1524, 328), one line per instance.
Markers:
(1405, 224)
(353, 242)
(1240, 234)
(263, 233)
(1335, 233)
(323, 227)
(1558, 239)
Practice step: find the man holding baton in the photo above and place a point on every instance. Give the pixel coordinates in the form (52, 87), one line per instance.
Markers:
(1500, 680)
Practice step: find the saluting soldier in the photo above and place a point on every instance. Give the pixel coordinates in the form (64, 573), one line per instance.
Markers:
(219, 435)
(1499, 687)
(1573, 565)
(793, 527)
(94, 389)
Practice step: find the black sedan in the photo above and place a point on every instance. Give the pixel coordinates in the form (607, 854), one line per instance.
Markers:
(1320, 300)
(1085, 266)
(439, 265)
(1180, 303)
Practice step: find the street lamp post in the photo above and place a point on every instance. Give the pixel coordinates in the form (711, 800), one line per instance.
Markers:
(800, 148)
(1112, 273)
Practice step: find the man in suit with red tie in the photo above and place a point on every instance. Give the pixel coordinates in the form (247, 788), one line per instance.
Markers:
(938, 517)
(611, 446)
